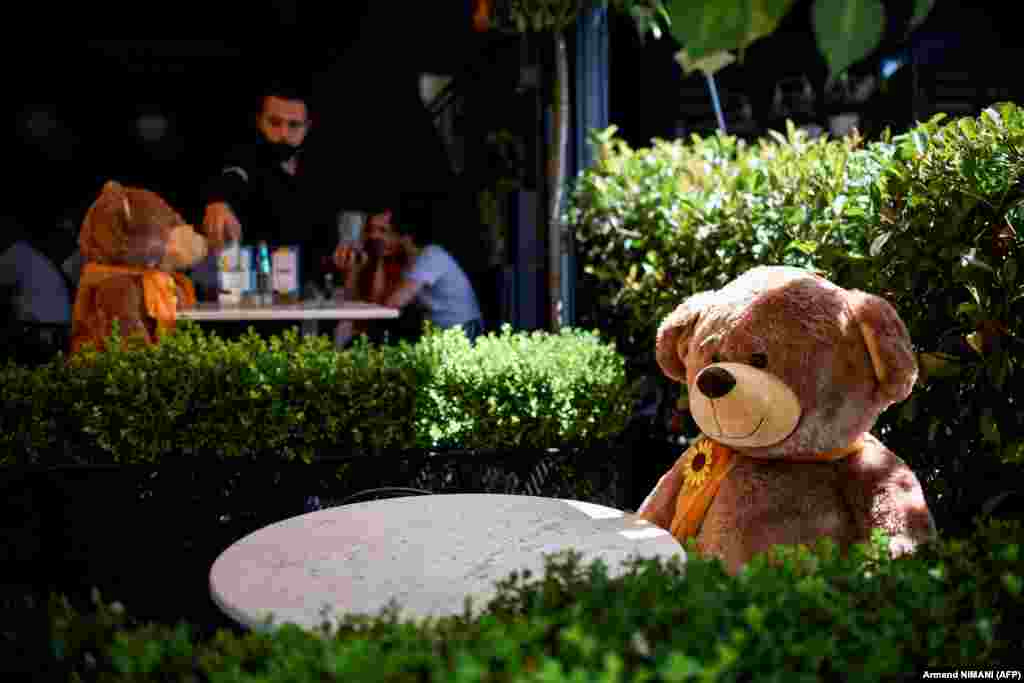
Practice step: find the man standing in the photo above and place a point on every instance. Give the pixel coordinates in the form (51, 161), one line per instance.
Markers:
(264, 191)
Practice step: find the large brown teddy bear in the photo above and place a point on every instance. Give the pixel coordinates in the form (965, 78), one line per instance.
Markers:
(786, 373)
(132, 244)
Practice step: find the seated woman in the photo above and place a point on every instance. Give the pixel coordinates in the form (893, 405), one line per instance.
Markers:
(393, 267)
(368, 275)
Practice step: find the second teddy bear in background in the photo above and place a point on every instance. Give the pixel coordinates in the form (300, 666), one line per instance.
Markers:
(132, 244)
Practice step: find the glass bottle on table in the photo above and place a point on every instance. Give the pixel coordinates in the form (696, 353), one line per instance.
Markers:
(334, 289)
(229, 274)
(263, 275)
(331, 290)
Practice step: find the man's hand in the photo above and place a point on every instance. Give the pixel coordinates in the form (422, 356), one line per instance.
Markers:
(220, 224)
(349, 256)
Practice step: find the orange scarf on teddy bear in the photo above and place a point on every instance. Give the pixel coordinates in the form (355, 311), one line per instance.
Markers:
(705, 465)
(159, 290)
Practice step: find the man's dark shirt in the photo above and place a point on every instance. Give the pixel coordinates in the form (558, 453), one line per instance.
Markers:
(275, 206)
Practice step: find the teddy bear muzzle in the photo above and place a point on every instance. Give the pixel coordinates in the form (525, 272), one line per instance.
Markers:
(743, 406)
(185, 248)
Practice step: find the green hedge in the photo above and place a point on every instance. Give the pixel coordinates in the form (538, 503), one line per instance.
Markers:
(661, 223)
(793, 615)
(924, 219)
(196, 393)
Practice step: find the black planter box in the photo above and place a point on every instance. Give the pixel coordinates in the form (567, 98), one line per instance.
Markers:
(147, 535)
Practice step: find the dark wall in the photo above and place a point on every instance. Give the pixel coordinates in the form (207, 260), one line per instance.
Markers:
(974, 42)
(372, 131)
(373, 136)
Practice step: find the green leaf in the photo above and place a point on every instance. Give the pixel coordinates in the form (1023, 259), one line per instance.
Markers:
(765, 17)
(803, 246)
(975, 342)
(993, 115)
(940, 364)
(920, 140)
(704, 27)
(879, 242)
(989, 427)
(922, 8)
(837, 204)
(847, 31)
(967, 308)
(1010, 272)
(709, 64)
(1012, 583)
(970, 259)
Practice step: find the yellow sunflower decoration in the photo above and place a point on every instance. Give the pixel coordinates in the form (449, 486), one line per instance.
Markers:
(704, 465)
(697, 465)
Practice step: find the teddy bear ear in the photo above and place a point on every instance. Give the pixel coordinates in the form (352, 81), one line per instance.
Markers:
(115, 188)
(101, 234)
(888, 343)
(674, 335)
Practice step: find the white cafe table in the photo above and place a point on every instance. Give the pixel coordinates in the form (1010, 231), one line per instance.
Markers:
(310, 312)
(427, 553)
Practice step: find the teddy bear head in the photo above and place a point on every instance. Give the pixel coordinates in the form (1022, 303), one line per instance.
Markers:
(782, 363)
(136, 227)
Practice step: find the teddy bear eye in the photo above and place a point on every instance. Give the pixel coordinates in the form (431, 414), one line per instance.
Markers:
(759, 360)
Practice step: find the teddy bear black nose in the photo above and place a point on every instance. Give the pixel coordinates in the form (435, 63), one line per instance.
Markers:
(715, 382)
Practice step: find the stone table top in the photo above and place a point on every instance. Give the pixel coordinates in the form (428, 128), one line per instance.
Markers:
(427, 553)
(304, 310)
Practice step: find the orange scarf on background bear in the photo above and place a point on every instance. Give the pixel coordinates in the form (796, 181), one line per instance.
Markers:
(91, 321)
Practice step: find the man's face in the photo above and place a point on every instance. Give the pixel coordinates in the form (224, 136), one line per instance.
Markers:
(381, 236)
(284, 121)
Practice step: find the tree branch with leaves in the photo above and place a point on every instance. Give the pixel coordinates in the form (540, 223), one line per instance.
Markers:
(708, 32)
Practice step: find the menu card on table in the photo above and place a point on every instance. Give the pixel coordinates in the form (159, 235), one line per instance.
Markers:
(285, 272)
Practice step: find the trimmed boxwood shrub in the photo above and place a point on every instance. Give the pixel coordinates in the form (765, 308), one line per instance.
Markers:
(509, 390)
(137, 467)
(794, 614)
(195, 393)
(925, 219)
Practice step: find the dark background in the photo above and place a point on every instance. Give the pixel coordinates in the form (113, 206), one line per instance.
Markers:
(371, 126)
(373, 135)
(963, 51)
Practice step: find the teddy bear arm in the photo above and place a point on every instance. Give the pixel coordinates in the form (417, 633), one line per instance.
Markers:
(660, 505)
(884, 493)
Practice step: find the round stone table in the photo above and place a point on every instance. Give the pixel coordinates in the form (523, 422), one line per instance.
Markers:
(428, 553)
